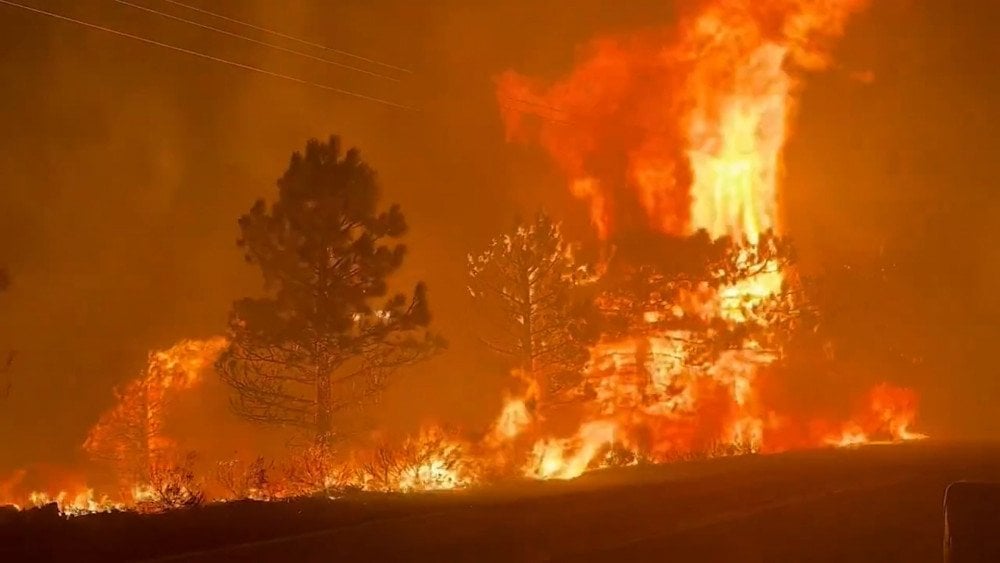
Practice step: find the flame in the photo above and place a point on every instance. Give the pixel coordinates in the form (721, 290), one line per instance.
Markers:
(438, 463)
(885, 418)
(569, 458)
(513, 419)
(83, 502)
(676, 131)
(131, 433)
(434, 474)
(699, 115)
(852, 435)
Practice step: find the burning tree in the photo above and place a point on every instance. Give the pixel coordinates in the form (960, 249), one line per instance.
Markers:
(712, 294)
(317, 342)
(682, 144)
(527, 284)
(132, 436)
(685, 324)
(128, 436)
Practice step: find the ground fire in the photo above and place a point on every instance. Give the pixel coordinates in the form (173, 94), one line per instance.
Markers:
(673, 140)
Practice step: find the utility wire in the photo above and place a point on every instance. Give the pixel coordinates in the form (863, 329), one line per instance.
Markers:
(531, 103)
(255, 41)
(288, 37)
(537, 115)
(206, 56)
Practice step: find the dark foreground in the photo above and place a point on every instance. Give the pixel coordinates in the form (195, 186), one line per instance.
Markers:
(876, 504)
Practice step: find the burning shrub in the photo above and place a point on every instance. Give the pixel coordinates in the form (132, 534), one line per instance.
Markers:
(171, 485)
(311, 470)
(620, 456)
(380, 471)
(430, 461)
(246, 480)
(721, 448)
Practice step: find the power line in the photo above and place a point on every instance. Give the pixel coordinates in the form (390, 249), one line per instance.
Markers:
(289, 37)
(533, 104)
(206, 56)
(255, 41)
(536, 115)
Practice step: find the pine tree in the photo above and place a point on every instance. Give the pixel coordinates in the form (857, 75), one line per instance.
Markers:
(327, 335)
(526, 284)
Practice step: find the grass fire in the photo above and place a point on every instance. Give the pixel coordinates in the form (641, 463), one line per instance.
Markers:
(497, 296)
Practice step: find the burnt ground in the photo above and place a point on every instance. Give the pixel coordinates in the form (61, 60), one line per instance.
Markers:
(874, 504)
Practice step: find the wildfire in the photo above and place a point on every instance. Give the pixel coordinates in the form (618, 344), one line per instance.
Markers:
(569, 458)
(513, 419)
(83, 502)
(672, 132)
(700, 113)
(130, 435)
(688, 126)
(434, 474)
(885, 418)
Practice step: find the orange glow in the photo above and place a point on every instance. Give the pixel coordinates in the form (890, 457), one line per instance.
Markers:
(513, 419)
(131, 434)
(439, 464)
(701, 114)
(74, 504)
(666, 132)
(886, 418)
(569, 458)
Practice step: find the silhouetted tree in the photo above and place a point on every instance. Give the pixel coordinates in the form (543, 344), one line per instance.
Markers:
(326, 336)
(525, 284)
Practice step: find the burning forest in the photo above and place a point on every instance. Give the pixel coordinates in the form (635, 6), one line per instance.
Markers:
(670, 331)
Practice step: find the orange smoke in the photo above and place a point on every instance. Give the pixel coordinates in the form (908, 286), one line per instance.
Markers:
(681, 129)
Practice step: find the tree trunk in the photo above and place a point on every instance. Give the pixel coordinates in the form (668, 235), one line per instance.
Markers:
(324, 407)
(145, 466)
(529, 361)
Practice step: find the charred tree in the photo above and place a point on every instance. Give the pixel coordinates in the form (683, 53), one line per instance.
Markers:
(327, 335)
(527, 285)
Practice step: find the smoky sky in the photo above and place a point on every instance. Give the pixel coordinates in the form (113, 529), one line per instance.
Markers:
(124, 166)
